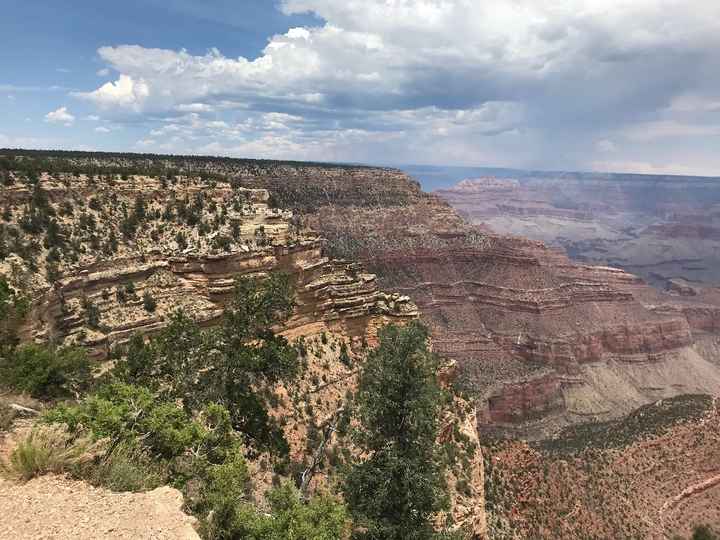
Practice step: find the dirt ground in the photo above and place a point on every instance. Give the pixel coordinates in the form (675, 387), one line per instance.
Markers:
(60, 508)
(55, 507)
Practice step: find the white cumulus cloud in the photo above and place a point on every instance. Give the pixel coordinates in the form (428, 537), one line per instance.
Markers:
(60, 116)
(125, 92)
(515, 82)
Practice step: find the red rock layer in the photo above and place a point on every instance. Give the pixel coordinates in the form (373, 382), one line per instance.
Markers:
(521, 318)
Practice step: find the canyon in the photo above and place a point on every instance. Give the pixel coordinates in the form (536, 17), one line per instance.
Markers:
(658, 227)
(537, 342)
(540, 341)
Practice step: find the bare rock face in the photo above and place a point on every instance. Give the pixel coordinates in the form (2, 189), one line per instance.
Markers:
(659, 227)
(98, 299)
(681, 287)
(541, 341)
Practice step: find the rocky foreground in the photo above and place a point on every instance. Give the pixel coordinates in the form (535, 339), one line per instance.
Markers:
(57, 507)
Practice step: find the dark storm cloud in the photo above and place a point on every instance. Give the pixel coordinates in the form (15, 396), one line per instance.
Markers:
(572, 83)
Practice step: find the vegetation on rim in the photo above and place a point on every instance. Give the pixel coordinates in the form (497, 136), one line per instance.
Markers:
(189, 406)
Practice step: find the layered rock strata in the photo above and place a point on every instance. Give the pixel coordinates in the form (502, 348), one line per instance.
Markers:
(98, 300)
(659, 227)
(540, 341)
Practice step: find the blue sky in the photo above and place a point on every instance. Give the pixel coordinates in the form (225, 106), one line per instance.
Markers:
(613, 85)
(53, 51)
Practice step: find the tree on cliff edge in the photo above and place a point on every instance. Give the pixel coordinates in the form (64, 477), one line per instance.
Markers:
(395, 490)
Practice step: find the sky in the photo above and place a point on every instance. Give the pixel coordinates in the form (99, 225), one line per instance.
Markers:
(598, 85)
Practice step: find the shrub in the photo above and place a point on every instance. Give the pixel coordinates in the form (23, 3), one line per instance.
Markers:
(13, 309)
(7, 416)
(344, 355)
(125, 413)
(52, 272)
(149, 302)
(128, 468)
(121, 295)
(181, 240)
(137, 363)
(703, 532)
(321, 518)
(92, 313)
(133, 417)
(223, 242)
(48, 449)
(44, 372)
(225, 487)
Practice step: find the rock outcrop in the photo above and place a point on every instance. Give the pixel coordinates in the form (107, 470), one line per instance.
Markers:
(539, 340)
(98, 299)
(57, 507)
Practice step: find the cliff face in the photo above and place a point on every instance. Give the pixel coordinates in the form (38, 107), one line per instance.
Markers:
(97, 299)
(328, 293)
(539, 340)
(542, 341)
(661, 228)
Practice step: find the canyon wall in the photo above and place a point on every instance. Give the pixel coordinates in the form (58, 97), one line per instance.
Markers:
(659, 227)
(540, 341)
(197, 278)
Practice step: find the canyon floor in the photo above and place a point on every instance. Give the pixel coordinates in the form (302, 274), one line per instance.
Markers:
(653, 474)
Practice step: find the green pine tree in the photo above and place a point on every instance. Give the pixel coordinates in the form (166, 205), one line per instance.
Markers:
(396, 489)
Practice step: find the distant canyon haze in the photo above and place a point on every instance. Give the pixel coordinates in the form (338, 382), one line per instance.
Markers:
(666, 229)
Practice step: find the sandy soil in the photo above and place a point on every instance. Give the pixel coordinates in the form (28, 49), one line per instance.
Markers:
(55, 507)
